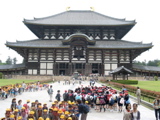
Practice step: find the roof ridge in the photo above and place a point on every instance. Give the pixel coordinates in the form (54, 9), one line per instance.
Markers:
(45, 17)
(123, 20)
(137, 42)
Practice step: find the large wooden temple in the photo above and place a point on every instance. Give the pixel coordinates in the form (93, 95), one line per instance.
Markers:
(82, 41)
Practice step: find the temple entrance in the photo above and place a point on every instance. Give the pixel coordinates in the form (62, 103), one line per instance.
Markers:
(61, 72)
(94, 71)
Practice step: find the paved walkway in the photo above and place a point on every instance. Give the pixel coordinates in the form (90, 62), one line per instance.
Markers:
(42, 96)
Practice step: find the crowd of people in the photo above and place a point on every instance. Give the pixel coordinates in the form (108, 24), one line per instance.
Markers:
(18, 89)
(75, 104)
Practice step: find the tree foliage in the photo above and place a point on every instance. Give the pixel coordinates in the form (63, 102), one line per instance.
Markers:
(14, 60)
(1, 75)
(9, 61)
(149, 63)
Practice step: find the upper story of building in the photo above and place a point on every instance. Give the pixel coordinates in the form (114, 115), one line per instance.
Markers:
(93, 24)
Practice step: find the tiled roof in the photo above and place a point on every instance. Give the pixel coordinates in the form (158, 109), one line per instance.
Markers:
(106, 44)
(146, 68)
(9, 67)
(121, 69)
(79, 17)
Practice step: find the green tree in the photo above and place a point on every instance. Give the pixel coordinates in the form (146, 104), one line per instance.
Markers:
(1, 75)
(9, 61)
(14, 60)
(153, 62)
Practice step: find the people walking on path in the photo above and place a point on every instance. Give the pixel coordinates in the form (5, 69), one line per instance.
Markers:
(58, 96)
(50, 92)
(138, 94)
(127, 112)
(135, 114)
(156, 106)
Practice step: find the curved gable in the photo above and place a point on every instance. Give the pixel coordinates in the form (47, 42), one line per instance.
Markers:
(79, 37)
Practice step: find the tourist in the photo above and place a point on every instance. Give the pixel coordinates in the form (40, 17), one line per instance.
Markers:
(138, 94)
(124, 89)
(13, 104)
(81, 110)
(65, 95)
(102, 102)
(23, 86)
(19, 106)
(120, 102)
(135, 114)
(58, 96)
(127, 112)
(156, 106)
(50, 93)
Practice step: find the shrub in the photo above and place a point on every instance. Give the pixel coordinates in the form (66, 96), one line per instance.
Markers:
(1, 75)
(133, 89)
(155, 78)
(126, 81)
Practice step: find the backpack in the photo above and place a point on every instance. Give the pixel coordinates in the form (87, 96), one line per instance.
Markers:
(88, 98)
(85, 108)
(97, 101)
(65, 96)
(78, 97)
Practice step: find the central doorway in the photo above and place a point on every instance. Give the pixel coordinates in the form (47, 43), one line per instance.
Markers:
(61, 72)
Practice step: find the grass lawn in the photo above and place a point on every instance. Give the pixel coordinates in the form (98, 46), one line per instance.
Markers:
(4, 82)
(149, 85)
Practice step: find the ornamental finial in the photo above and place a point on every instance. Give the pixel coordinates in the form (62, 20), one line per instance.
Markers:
(67, 9)
(92, 8)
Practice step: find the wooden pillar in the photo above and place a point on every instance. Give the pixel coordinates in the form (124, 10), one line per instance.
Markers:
(26, 61)
(39, 56)
(130, 57)
(69, 69)
(118, 57)
(58, 69)
(102, 65)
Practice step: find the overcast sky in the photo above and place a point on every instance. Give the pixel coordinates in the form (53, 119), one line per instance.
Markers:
(145, 12)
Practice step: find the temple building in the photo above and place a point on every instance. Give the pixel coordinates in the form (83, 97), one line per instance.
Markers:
(76, 40)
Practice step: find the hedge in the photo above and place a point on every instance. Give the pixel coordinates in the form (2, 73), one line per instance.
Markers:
(126, 81)
(133, 89)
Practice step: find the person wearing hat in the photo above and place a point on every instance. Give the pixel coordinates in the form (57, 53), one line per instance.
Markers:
(12, 117)
(50, 93)
(62, 117)
(23, 113)
(45, 114)
(65, 96)
(69, 118)
(50, 114)
(20, 118)
(39, 112)
(16, 114)
(45, 106)
(120, 101)
(40, 118)
(3, 118)
(31, 115)
(27, 106)
(55, 113)
(60, 112)
(66, 114)
(8, 113)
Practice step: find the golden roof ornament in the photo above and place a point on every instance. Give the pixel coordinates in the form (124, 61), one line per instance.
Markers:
(92, 8)
(67, 8)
